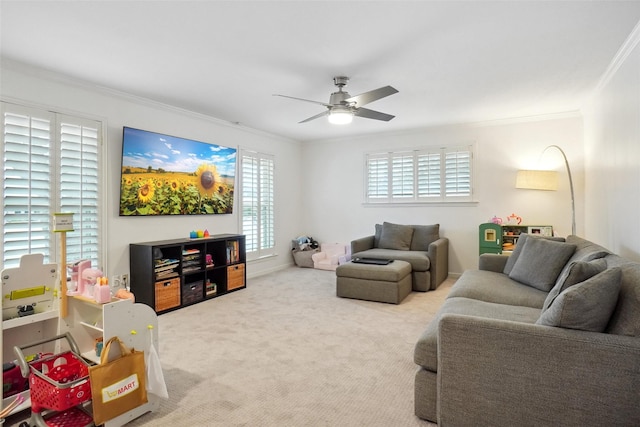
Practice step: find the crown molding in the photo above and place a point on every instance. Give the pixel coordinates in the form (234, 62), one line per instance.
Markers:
(621, 56)
(47, 74)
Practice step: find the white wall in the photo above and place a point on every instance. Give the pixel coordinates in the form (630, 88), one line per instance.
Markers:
(612, 156)
(319, 184)
(333, 182)
(41, 89)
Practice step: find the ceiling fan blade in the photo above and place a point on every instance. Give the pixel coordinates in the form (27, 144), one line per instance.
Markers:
(317, 116)
(372, 95)
(370, 114)
(305, 100)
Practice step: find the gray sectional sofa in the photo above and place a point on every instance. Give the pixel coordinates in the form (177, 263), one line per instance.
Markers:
(549, 336)
(419, 245)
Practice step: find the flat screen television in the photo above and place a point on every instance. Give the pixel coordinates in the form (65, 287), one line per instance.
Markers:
(167, 175)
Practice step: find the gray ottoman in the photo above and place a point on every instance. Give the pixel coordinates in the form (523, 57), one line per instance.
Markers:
(383, 283)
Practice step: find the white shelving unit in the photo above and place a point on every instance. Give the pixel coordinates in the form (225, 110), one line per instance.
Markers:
(135, 324)
(34, 282)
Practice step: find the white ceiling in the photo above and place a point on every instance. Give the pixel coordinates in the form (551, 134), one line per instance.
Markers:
(452, 61)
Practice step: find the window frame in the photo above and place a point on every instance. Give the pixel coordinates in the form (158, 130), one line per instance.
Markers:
(262, 211)
(57, 118)
(396, 176)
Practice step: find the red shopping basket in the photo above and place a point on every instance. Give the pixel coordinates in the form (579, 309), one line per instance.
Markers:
(59, 382)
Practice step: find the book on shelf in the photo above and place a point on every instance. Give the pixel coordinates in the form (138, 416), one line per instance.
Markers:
(233, 252)
(166, 267)
(166, 274)
(165, 262)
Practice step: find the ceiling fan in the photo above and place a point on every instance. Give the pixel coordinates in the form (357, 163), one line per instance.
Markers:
(342, 106)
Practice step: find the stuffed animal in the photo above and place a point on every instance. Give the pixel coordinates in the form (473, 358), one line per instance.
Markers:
(305, 243)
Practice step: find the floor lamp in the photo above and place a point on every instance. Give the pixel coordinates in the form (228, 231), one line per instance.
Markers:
(547, 180)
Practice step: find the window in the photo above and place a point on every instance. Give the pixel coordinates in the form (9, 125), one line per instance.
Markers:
(423, 176)
(50, 164)
(257, 204)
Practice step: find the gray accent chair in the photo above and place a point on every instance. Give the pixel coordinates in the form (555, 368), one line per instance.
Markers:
(559, 346)
(419, 245)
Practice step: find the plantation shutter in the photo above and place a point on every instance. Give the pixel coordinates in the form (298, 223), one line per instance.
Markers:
(79, 186)
(249, 191)
(457, 173)
(428, 175)
(26, 184)
(377, 177)
(257, 203)
(266, 206)
(429, 180)
(402, 175)
(51, 164)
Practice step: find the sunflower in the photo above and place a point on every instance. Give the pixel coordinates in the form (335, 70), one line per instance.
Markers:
(174, 185)
(207, 179)
(159, 183)
(145, 192)
(128, 181)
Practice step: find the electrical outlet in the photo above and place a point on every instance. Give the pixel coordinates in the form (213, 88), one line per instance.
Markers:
(124, 281)
(116, 281)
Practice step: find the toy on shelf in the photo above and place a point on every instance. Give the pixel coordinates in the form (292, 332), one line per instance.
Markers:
(514, 219)
(30, 288)
(199, 234)
(76, 286)
(88, 281)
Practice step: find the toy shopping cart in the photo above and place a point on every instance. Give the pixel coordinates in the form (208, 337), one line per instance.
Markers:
(59, 386)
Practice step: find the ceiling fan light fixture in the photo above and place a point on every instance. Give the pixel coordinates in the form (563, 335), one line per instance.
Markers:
(340, 116)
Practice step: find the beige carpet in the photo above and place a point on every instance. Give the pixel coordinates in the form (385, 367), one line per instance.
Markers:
(286, 351)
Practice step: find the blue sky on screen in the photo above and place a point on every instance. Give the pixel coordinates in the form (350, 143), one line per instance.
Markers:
(143, 149)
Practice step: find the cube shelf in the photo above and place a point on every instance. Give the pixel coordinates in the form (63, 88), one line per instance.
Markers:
(170, 274)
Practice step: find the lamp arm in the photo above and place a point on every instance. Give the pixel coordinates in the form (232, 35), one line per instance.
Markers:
(573, 204)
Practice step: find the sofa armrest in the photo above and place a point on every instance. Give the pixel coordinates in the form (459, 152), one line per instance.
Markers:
(492, 262)
(438, 253)
(362, 244)
(501, 373)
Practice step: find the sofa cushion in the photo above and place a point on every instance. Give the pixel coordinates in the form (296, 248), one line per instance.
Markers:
(395, 236)
(585, 251)
(626, 316)
(498, 288)
(426, 349)
(540, 262)
(419, 260)
(578, 272)
(518, 249)
(423, 236)
(586, 306)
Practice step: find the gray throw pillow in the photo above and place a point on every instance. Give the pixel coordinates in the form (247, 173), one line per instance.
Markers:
(423, 236)
(540, 262)
(376, 236)
(586, 306)
(520, 244)
(515, 254)
(578, 272)
(395, 236)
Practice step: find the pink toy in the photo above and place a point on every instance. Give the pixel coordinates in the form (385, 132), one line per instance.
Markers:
(88, 281)
(77, 269)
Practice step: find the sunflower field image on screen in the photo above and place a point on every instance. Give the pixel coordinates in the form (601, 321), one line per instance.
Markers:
(167, 175)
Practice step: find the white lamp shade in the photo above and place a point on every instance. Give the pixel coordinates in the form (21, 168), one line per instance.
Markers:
(340, 116)
(537, 180)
